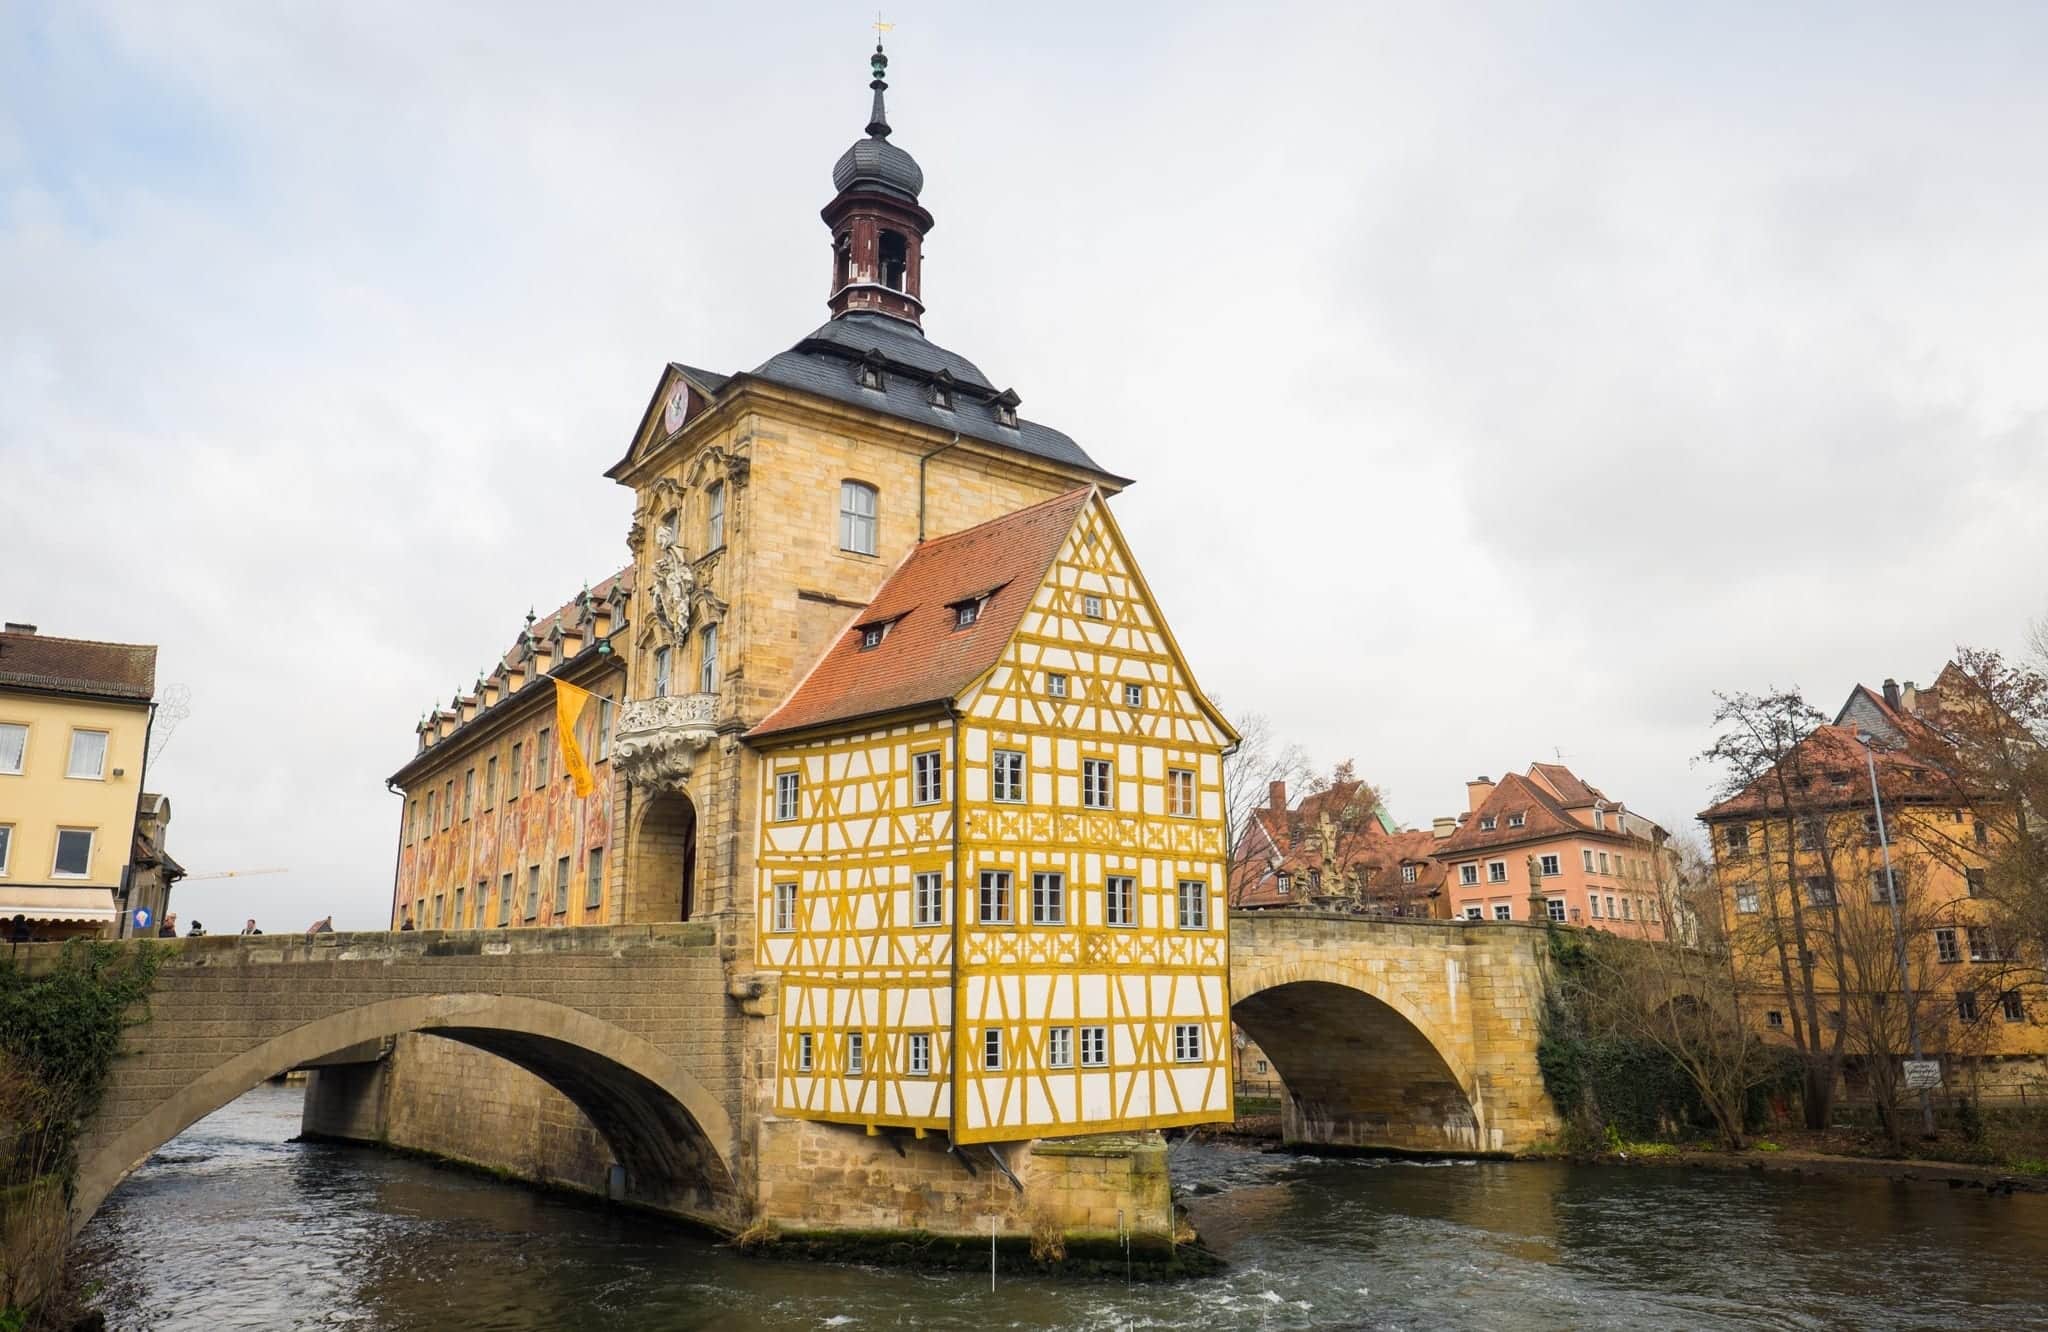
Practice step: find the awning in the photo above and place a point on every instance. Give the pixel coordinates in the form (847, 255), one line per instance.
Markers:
(86, 904)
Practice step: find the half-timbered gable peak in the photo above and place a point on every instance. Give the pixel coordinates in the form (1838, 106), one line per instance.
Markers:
(939, 623)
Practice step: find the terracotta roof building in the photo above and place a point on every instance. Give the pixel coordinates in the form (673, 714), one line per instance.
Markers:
(1333, 849)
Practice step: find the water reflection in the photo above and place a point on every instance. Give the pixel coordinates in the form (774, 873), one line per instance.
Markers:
(232, 1226)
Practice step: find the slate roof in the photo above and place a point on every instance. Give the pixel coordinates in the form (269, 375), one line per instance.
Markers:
(923, 658)
(78, 666)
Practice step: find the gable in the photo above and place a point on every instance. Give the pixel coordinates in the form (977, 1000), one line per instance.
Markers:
(682, 393)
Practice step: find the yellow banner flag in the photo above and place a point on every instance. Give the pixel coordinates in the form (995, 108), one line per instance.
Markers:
(570, 703)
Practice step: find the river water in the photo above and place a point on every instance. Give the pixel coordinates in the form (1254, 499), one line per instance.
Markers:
(232, 1225)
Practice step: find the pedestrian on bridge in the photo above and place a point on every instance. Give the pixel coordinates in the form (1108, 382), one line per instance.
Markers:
(197, 931)
(169, 928)
(250, 928)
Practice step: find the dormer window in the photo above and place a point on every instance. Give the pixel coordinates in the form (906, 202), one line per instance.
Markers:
(1514, 820)
(1486, 823)
(871, 636)
(873, 371)
(1006, 408)
(966, 613)
(941, 394)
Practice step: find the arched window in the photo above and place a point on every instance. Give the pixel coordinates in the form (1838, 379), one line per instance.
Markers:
(895, 259)
(857, 508)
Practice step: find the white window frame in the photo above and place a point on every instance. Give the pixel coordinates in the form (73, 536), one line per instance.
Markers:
(784, 920)
(106, 740)
(1095, 1047)
(1048, 897)
(1468, 874)
(1091, 606)
(1119, 900)
(856, 1053)
(1056, 684)
(1007, 776)
(1475, 912)
(1496, 871)
(1134, 696)
(604, 729)
(1549, 866)
(593, 878)
(1747, 901)
(789, 796)
(1187, 1042)
(707, 660)
(1587, 852)
(1503, 911)
(1408, 874)
(928, 897)
(1098, 783)
(1553, 907)
(1594, 900)
(1191, 901)
(21, 757)
(860, 521)
(927, 777)
(1181, 800)
(1946, 947)
(714, 516)
(1003, 902)
(803, 1052)
(92, 839)
(6, 847)
(1516, 820)
(1059, 1047)
(920, 1054)
(664, 676)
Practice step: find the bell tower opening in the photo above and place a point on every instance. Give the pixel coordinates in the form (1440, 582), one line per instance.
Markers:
(895, 259)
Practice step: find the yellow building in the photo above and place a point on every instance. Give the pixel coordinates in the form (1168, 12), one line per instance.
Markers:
(990, 874)
(74, 735)
(1800, 865)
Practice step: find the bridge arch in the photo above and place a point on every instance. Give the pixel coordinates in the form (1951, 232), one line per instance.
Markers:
(673, 1136)
(1364, 1066)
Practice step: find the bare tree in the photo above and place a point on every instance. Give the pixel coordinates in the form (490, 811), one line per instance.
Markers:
(1249, 774)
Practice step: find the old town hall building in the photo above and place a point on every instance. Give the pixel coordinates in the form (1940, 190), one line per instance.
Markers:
(885, 700)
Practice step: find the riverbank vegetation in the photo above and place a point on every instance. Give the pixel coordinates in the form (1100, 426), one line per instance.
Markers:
(60, 1030)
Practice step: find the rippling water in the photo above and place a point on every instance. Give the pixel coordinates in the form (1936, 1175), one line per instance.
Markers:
(234, 1226)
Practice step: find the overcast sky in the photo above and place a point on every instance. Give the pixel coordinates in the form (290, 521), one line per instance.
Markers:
(1498, 383)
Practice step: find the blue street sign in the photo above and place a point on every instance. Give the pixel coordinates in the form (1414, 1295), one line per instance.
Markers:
(142, 918)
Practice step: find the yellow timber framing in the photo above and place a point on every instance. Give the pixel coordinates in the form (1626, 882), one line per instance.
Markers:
(858, 956)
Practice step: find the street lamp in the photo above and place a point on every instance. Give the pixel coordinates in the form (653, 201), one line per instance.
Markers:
(1891, 895)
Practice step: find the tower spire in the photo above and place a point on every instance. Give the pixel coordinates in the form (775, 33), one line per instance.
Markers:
(878, 227)
(878, 119)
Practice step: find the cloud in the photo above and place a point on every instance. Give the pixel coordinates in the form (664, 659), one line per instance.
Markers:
(1498, 383)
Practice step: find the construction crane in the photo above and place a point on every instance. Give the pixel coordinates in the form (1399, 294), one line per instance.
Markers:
(232, 874)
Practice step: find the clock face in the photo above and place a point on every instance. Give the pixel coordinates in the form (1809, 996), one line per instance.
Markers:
(678, 408)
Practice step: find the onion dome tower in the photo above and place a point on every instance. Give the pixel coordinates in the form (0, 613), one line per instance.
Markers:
(878, 228)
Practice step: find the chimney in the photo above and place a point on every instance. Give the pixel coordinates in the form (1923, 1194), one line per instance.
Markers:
(1476, 792)
(1891, 693)
(16, 628)
(1444, 826)
(1276, 795)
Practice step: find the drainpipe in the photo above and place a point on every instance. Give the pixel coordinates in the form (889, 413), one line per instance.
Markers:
(398, 856)
(959, 909)
(922, 460)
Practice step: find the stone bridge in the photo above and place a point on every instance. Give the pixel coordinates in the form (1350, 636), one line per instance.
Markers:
(632, 1024)
(1418, 1035)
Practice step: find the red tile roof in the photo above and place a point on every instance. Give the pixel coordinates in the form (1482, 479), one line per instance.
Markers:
(923, 658)
(1828, 770)
(1543, 817)
(1287, 841)
(78, 666)
(1566, 785)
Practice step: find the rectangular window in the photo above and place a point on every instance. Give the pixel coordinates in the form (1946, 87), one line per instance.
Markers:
(965, 614)
(1774, 1019)
(856, 1053)
(562, 886)
(1187, 1042)
(604, 729)
(1603, 862)
(789, 793)
(920, 1054)
(992, 1048)
(1983, 944)
(662, 672)
(1811, 833)
(1966, 1005)
(513, 779)
(1091, 606)
(1501, 911)
(1055, 684)
(1486, 823)
(1468, 875)
(412, 820)
(1610, 908)
(1877, 885)
(505, 899)
(1593, 899)
(88, 755)
(532, 891)
(6, 845)
(433, 921)
(1554, 908)
(1589, 860)
(1479, 913)
(490, 781)
(1735, 837)
(927, 778)
(1746, 899)
(2009, 1005)
(1094, 1047)
(74, 854)
(448, 804)
(1515, 820)
(1194, 904)
(1180, 792)
(995, 897)
(1408, 874)
(1628, 908)
(1117, 891)
(593, 879)
(1098, 783)
(714, 516)
(1134, 696)
(541, 753)
(857, 518)
(803, 1052)
(1549, 866)
(13, 747)
(785, 908)
(1284, 884)
(468, 793)
(1819, 891)
(455, 911)
(1945, 949)
(1983, 834)
(707, 660)
(1048, 899)
(482, 903)
(1007, 776)
(1974, 880)
(1496, 871)
(1059, 1047)
(930, 894)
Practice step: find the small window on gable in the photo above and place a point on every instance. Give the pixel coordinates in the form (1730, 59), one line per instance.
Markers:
(1091, 606)
(1486, 823)
(871, 636)
(1514, 820)
(1134, 696)
(1056, 684)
